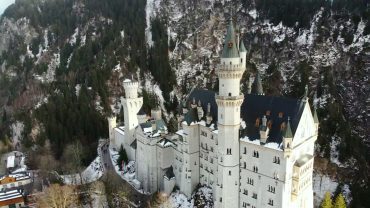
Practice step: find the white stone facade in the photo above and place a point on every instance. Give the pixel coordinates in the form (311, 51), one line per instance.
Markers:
(242, 170)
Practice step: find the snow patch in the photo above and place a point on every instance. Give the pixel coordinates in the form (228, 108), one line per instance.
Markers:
(321, 185)
(92, 173)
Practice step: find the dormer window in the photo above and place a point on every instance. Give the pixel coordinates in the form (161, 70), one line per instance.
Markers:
(269, 124)
(257, 122)
(281, 114)
(282, 126)
(268, 113)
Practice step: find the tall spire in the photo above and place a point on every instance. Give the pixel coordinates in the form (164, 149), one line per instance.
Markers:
(257, 85)
(230, 48)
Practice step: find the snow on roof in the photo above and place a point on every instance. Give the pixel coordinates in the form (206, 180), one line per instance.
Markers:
(120, 130)
(166, 143)
(181, 132)
(270, 145)
(10, 161)
(273, 145)
(148, 130)
(127, 80)
(246, 139)
(4, 196)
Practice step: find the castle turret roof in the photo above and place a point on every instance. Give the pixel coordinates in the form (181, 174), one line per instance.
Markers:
(230, 48)
(242, 47)
(288, 131)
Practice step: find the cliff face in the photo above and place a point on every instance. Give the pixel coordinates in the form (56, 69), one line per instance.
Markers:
(53, 48)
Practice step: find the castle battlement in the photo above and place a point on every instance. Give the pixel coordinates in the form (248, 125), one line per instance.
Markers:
(130, 84)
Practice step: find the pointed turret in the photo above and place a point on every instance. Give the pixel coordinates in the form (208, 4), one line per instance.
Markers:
(243, 53)
(288, 131)
(287, 140)
(230, 48)
(257, 85)
(242, 47)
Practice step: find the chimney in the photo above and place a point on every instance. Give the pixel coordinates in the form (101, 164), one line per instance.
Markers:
(209, 116)
(200, 111)
(264, 130)
(193, 104)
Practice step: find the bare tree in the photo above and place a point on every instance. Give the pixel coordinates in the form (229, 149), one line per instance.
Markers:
(57, 196)
(71, 159)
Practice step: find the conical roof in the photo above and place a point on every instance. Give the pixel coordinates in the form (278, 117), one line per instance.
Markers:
(230, 50)
(257, 85)
(288, 131)
(242, 47)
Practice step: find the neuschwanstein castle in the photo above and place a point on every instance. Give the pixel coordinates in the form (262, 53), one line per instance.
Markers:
(253, 150)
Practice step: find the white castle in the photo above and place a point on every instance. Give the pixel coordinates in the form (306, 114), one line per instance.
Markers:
(252, 150)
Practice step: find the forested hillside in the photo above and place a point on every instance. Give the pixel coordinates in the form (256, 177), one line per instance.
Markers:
(62, 64)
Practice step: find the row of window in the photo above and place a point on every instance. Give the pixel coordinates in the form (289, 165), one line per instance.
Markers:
(245, 205)
(206, 147)
(257, 155)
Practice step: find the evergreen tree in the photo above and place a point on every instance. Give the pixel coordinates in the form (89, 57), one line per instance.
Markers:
(327, 202)
(122, 157)
(340, 202)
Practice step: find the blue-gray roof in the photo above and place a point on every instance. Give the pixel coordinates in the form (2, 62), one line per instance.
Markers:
(205, 97)
(256, 106)
(253, 107)
(242, 47)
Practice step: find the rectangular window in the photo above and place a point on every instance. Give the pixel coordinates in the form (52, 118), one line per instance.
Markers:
(271, 202)
(254, 196)
(276, 160)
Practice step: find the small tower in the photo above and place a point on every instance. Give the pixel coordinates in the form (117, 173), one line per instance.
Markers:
(264, 130)
(287, 140)
(200, 110)
(209, 116)
(243, 53)
(131, 106)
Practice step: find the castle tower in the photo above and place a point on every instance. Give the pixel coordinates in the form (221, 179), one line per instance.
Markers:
(131, 106)
(243, 53)
(229, 100)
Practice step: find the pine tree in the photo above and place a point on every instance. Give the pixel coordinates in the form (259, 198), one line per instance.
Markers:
(327, 202)
(340, 202)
